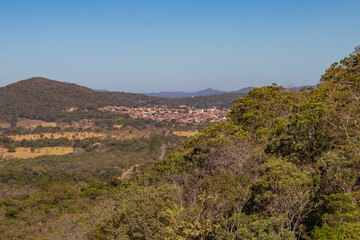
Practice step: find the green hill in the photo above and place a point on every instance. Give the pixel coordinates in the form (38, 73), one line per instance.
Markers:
(45, 99)
(49, 100)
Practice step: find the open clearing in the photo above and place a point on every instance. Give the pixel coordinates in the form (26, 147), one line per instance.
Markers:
(185, 133)
(23, 152)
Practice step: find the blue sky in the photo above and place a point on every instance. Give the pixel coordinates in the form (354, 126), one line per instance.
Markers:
(184, 45)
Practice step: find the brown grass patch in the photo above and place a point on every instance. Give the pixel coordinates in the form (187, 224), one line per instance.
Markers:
(185, 133)
(68, 135)
(29, 123)
(22, 152)
(121, 135)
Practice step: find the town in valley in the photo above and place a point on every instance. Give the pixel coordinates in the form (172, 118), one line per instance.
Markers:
(181, 114)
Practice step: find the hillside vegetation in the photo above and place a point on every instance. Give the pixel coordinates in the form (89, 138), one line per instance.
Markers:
(286, 166)
(62, 197)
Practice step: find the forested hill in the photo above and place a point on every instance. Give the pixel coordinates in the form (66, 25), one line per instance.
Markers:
(45, 99)
(41, 97)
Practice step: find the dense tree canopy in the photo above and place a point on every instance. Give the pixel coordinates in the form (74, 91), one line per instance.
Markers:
(283, 167)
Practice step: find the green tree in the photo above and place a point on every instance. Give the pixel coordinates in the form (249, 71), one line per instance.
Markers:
(139, 215)
(11, 148)
(256, 111)
(287, 191)
(342, 220)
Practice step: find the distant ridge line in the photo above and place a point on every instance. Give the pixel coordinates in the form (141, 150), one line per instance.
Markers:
(206, 92)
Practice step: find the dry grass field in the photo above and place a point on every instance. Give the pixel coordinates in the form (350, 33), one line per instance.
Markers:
(185, 133)
(125, 134)
(23, 152)
(69, 135)
(28, 123)
(31, 124)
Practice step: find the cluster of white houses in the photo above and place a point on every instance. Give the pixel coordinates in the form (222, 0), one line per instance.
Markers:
(182, 114)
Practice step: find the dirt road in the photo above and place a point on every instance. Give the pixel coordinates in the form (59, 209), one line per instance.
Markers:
(163, 147)
(129, 171)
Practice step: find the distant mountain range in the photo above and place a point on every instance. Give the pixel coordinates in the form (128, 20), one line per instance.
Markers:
(101, 90)
(206, 92)
(209, 92)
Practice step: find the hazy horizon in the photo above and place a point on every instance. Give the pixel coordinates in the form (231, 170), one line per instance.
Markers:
(155, 46)
(162, 91)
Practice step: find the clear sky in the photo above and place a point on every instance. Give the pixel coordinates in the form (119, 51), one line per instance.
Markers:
(175, 45)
